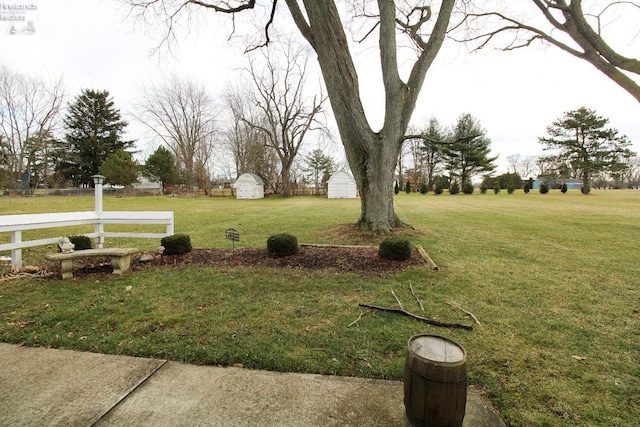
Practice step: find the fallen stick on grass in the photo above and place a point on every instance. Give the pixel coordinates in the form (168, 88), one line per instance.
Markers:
(427, 258)
(466, 311)
(397, 300)
(415, 296)
(415, 316)
(356, 321)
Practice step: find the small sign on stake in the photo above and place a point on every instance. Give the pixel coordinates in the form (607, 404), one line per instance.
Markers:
(233, 235)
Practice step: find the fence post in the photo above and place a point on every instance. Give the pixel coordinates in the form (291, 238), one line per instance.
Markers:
(98, 180)
(16, 254)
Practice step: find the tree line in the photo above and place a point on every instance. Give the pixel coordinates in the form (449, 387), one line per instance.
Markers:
(580, 146)
(265, 130)
(259, 125)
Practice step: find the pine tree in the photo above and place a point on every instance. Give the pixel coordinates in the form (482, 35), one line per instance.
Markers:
(94, 131)
(120, 168)
(161, 166)
(319, 167)
(468, 152)
(586, 146)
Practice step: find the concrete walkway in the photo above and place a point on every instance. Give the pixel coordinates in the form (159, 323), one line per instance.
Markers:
(46, 387)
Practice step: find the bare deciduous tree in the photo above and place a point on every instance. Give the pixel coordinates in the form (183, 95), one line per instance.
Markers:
(371, 153)
(523, 166)
(286, 113)
(247, 144)
(182, 115)
(568, 26)
(29, 114)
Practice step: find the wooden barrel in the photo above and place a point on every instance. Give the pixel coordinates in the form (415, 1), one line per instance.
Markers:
(435, 382)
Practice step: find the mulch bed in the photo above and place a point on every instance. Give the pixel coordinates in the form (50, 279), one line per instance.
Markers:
(361, 260)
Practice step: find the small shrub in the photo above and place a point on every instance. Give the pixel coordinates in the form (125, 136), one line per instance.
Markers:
(564, 188)
(424, 188)
(395, 248)
(526, 188)
(467, 187)
(81, 242)
(438, 190)
(396, 188)
(511, 188)
(496, 188)
(407, 188)
(177, 244)
(544, 188)
(282, 244)
(454, 188)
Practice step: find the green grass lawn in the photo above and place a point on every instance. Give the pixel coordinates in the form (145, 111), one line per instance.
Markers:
(553, 279)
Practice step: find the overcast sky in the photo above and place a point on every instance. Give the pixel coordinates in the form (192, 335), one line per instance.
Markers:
(515, 95)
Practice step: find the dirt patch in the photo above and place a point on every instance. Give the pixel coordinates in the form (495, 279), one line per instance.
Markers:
(361, 260)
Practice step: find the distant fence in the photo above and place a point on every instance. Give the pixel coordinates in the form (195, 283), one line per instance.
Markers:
(77, 192)
(145, 192)
(16, 224)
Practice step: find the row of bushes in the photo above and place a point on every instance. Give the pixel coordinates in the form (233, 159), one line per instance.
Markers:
(392, 248)
(278, 245)
(468, 188)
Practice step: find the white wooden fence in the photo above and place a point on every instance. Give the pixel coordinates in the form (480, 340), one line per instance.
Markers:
(16, 224)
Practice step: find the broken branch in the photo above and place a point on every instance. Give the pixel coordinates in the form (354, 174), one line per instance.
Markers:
(415, 296)
(357, 320)
(415, 316)
(427, 258)
(466, 311)
(397, 300)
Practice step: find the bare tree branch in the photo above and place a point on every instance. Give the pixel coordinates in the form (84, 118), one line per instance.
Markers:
(569, 22)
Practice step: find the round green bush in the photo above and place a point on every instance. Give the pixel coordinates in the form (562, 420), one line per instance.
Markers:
(81, 242)
(454, 188)
(395, 248)
(544, 188)
(467, 187)
(177, 244)
(282, 244)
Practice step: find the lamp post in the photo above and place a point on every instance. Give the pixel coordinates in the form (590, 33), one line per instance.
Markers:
(98, 180)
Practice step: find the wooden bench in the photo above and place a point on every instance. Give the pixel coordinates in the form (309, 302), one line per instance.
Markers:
(120, 259)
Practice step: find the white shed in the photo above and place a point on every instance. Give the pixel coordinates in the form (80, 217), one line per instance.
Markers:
(249, 186)
(341, 185)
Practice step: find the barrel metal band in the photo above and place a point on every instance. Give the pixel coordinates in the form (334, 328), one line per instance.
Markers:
(438, 380)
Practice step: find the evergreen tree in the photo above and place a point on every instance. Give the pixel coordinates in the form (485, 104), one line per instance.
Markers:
(433, 143)
(120, 168)
(585, 146)
(94, 131)
(320, 167)
(161, 166)
(564, 188)
(468, 152)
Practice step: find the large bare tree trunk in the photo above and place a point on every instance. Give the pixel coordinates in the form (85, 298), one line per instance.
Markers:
(371, 155)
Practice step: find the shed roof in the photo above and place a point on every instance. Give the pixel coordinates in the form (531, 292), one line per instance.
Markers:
(342, 175)
(250, 178)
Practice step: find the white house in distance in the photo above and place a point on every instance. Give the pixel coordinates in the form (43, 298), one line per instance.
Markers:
(249, 186)
(341, 185)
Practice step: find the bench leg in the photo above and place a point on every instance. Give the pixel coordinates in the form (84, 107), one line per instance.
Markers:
(120, 264)
(67, 269)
